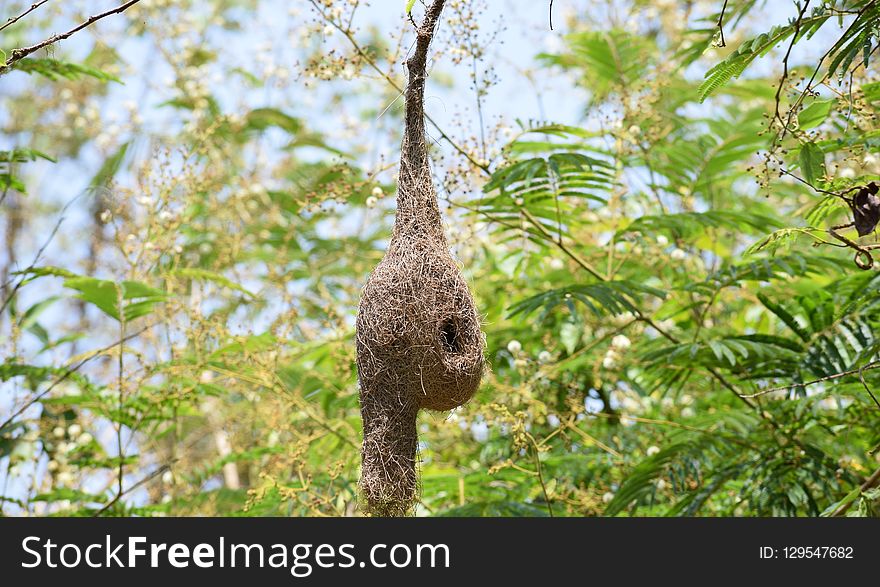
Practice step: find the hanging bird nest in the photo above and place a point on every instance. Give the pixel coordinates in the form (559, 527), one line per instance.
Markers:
(419, 344)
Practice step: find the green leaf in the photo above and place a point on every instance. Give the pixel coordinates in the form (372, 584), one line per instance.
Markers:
(30, 316)
(23, 155)
(8, 181)
(815, 114)
(784, 237)
(409, 5)
(733, 66)
(607, 60)
(812, 162)
(109, 168)
(262, 118)
(55, 70)
(204, 274)
(691, 224)
(105, 295)
(101, 293)
(605, 298)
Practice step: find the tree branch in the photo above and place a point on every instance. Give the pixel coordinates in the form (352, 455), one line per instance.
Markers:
(859, 371)
(720, 25)
(14, 19)
(868, 484)
(21, 53)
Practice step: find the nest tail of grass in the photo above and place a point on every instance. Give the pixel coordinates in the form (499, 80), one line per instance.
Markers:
(419, 344)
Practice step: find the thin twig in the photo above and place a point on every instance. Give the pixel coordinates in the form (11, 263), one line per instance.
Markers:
(868, 484)
(14, 19)
(562, 247)
(802, 385)
(865, 385)
(159, 470)
(794, 39)
(541, 475)
(720, 25)
(21, 53)
(861, 250)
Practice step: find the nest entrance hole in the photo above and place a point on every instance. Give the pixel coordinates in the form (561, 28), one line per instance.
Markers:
(449, 336)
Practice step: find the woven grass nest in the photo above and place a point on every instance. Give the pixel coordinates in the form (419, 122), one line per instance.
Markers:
(419, 344)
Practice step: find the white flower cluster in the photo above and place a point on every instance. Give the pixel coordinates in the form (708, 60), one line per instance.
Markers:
(619, 344)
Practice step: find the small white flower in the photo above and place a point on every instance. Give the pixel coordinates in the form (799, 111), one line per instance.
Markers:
(519, 201)
(688, 413)
(178, 249)
(372, 201)
(106, 216)
(58, 432)
(84, 439)
(620, 342)
(53, 465)
(607, 497)
(662, 240)
(635, 130)
(65, 477)
(74, 430)
(678, 254)
(167, 478)
(652, 450)
(377, 191)
(661, 484)
(553, 420)
(545, 357)
(206, 376)
(514, 347)
(608, 362)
